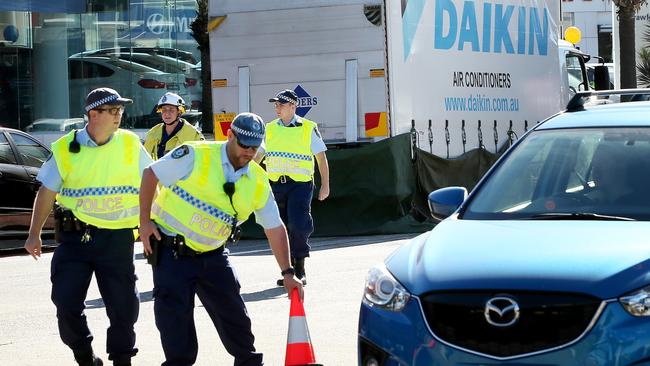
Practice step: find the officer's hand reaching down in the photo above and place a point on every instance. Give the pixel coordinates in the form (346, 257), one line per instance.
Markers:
(147, 229)
(33, 246)
(291, 282)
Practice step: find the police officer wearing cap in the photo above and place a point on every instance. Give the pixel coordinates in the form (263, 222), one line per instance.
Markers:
(94, 175)
(173, 131)
(292, 142)
(208, 188)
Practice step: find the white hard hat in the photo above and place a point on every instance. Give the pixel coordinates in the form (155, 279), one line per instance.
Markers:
(171, 99)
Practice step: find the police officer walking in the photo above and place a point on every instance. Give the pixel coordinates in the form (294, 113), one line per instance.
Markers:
(173, 131)
(208, 188)
(292, 142)
(95, 178)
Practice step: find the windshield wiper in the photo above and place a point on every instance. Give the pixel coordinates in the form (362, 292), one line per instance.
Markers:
(576, 216)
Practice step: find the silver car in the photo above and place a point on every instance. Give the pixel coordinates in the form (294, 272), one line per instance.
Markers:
(141, 83)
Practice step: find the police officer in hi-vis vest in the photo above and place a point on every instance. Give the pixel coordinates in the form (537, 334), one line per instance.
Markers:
(94, 176)
(208, 188)
(173, 131)
(291, 144)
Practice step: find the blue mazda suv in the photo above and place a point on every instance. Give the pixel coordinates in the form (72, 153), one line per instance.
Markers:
(546, 262)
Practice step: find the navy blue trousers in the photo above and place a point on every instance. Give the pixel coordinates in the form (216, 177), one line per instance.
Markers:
(214, 280)
(109, 255)
(294, 203)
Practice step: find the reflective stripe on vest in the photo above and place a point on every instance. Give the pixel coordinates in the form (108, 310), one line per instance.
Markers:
(179, 228)
(101, 184)
(199, 209)
(288, 151)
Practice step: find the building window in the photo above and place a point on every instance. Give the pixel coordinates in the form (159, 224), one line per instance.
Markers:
(53, 54)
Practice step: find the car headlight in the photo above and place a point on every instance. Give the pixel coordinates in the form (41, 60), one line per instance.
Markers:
(383, 290)
(637, 303)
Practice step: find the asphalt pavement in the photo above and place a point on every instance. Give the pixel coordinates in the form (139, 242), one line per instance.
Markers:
(336, 270)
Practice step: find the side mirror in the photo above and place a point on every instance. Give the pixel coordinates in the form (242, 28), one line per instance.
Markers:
(601, 77)
(445, 201)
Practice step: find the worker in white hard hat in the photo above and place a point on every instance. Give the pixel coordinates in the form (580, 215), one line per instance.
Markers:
(173, 131)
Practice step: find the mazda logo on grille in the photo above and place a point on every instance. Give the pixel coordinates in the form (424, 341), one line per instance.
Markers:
(501, 311)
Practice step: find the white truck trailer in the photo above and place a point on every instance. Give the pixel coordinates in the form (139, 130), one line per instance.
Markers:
(364, 70)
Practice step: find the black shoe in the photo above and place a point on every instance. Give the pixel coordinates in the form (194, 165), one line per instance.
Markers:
(87, 358)
(123, 361)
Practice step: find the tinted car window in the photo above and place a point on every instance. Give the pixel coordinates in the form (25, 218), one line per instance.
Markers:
(85, 70)
(32, 152)
(595, 170)
(6, 154)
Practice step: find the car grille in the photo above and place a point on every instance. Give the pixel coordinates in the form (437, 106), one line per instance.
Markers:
(546, 320)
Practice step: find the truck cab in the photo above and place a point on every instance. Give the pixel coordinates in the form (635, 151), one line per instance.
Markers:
(572, 65)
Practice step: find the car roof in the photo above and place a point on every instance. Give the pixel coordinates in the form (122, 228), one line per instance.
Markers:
(116, 63)
(630, 114)
(8, 129)
(180, 54)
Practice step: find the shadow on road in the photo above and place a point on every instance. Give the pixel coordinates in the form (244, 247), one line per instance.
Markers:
(147, 296)
(271, 293)
(261, 247)
(99, 303)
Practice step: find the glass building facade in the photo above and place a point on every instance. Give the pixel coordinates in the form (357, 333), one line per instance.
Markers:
(53, 52)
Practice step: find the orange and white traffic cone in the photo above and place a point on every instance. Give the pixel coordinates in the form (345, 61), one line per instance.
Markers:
(299, 349)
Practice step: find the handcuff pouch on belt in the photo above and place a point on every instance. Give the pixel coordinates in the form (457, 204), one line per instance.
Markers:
(177, 244)
(66, 222)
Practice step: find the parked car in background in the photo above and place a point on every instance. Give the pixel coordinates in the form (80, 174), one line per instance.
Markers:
(48, 130)
(174, 53)
(143, 84)
(546, 262)
(55, 124)
(171, 65)
(21, 157)
(164, 59)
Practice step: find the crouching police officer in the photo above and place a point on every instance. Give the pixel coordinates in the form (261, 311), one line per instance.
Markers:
(208, 189)
(95, 178)
(173, 131)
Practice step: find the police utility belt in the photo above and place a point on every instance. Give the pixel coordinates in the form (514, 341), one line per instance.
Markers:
(286, 179)
(66, 222)
(177, 244)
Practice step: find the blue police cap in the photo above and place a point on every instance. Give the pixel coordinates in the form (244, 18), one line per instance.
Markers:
(248, 128)
(101, 96)
(285, 96)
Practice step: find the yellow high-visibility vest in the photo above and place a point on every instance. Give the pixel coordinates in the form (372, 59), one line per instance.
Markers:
(101, 184)
(185, 134)
(288, 151)
(198, 207)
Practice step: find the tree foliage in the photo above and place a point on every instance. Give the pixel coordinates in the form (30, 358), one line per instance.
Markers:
(643, 66)
(625, 11)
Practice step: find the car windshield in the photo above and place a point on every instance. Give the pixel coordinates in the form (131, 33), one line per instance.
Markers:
(591, 173)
